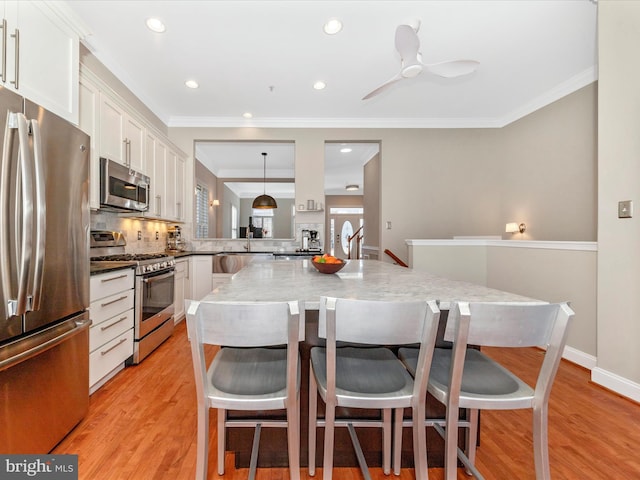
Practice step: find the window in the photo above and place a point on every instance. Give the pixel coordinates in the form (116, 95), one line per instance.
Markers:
(202, 211)
(234, 221)
(263, 218)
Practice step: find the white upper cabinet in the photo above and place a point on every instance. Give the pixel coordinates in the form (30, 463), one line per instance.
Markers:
(118, 132)
(88, 122)
(122, 138)
(40, 54)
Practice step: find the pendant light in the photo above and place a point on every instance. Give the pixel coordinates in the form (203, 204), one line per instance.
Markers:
(264, 200)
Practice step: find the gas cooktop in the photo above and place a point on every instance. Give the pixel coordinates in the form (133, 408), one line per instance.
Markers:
(128, 257)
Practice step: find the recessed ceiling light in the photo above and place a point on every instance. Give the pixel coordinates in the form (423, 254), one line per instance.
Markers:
(319, 85)
(332, 26)
(352, 187)
(345, 150)
(155, 25)
(247, 115)
(191, 84)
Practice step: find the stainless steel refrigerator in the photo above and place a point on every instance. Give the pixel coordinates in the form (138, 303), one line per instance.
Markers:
(44, 276)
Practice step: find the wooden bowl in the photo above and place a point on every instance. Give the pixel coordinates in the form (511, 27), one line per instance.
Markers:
(329, 267)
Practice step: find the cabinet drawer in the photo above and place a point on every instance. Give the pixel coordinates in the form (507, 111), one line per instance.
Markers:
(107, 330)
(109, 307)
(107, 357)
(106, 284)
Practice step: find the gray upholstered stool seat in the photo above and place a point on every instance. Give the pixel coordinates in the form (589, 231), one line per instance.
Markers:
(481, 375)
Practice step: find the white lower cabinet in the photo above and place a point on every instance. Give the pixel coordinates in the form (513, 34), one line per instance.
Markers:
(201, 276)
(181, 288)
(111, 334)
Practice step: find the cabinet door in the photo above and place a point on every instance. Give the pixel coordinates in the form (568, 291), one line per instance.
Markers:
(111, 129)
(170, 186)
(201, 276)
(158, 183)
(46, 70)
(88, 122)
(181, 288)
(134, 138)
(180, 205)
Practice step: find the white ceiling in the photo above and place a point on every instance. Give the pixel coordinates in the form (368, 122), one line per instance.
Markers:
(264, 56)
(531, 52)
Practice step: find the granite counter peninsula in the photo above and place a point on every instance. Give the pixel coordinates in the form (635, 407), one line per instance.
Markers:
(363, 279)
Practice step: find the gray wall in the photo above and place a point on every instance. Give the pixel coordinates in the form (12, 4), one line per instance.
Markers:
(618, 179)
(437, 183)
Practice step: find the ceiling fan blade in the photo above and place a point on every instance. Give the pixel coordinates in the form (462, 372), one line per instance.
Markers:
(452, 69)
(383, 87)
(407, 43)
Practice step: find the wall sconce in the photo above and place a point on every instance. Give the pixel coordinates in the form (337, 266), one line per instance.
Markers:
(214, 203)
(515, 227)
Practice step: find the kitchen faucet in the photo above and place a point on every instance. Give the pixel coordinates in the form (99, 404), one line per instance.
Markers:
(247, 247)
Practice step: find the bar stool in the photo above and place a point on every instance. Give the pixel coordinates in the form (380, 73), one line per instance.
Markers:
(466, 378)
(244, 375)
(373, 377)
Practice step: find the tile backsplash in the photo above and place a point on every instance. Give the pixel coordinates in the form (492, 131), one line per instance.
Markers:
(153, 234)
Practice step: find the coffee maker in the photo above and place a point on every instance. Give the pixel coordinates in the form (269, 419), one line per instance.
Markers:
(174, 239)
(314, 241)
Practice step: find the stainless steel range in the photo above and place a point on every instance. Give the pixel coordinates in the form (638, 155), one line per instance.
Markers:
(154, 289)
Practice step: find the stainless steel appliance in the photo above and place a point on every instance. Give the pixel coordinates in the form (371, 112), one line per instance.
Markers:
(174, 239)
(154, 290)
(314, 241)
(122, 189)
(44, 276)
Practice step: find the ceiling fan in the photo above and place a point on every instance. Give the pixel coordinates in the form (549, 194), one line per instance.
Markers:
(408, 46)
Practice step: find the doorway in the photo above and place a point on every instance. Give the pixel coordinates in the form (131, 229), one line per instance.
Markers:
(349, 192)
(346, 232)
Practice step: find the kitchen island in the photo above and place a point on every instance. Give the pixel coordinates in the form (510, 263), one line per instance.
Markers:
(363, 279)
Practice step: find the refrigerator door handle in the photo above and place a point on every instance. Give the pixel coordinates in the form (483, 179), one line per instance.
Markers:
(21, 305)
(5, 227)
(40, 215)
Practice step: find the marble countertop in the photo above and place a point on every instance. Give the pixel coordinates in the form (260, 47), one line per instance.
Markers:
(365, 279)
(98, 267)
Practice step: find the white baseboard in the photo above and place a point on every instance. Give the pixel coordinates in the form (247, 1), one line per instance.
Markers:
(616, 383)
(579, 358)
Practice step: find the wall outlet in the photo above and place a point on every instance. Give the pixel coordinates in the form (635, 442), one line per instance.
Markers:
(139, 235)
(157, 236)
(625, 209)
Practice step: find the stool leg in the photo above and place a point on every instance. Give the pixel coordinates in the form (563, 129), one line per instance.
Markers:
(293, 436)
(472, 436)
(540, 443)
(313, 414)
(419, 441)
(451, 443)
(397, 439)
(329, 427)
(202, 454)
(386, 441)
(222, 417)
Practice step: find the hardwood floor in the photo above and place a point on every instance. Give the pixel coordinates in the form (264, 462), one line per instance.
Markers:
(142, 426)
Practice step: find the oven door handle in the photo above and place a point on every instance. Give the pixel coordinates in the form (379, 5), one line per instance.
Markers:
(158, 277)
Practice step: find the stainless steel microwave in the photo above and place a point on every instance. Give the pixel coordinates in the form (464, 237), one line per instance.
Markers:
(121, 188)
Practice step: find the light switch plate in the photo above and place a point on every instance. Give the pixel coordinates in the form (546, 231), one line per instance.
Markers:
(625, 209)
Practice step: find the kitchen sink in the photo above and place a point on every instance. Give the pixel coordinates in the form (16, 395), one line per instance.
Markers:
(234, 262)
